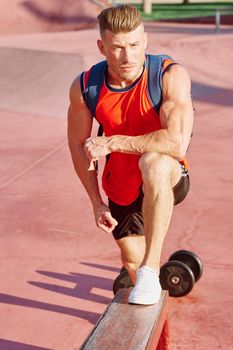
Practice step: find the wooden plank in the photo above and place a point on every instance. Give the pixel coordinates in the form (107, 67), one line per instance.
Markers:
(128, 327)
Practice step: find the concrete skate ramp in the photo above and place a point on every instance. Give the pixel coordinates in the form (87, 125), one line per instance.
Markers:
(37, 81)
(33, 16)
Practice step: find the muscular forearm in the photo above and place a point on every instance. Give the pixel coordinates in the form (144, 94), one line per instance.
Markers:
(88, 178)
(159, 141)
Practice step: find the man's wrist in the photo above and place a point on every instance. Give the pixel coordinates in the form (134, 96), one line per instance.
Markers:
(97, 202)
(113, 143)
(120, 143)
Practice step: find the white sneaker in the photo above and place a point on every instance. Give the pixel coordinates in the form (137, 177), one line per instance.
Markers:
(147, 289)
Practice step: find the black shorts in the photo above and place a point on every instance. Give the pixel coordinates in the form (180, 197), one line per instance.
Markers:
(129, 217)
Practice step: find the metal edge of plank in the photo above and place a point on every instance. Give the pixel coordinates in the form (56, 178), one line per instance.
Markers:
(157, 329)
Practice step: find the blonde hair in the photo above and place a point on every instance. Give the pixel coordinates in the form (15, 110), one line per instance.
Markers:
(119, 19)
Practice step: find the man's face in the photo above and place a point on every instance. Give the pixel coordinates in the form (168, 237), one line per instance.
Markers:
(125, 53)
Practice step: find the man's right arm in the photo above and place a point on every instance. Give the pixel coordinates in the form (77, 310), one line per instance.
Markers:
(79, 129)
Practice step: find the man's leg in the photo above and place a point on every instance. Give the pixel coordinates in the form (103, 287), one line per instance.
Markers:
(132, 253)
(160, 174)
(129, 233)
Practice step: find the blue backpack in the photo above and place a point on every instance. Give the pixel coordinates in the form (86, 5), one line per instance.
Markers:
(96, 79)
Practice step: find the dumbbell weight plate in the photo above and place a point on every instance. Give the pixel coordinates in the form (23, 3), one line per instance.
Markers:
(177, 278)
(123, 269)
(190, 259)
(122, 281)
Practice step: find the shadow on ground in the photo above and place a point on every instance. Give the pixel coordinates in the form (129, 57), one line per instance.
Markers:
(14, 345)
(212, 94)
(84, 285)
(83, 290)
(92, 317)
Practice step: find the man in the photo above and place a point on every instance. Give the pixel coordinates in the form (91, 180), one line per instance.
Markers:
(145, 174)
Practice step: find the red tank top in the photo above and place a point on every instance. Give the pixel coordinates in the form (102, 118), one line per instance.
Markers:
(125, 111)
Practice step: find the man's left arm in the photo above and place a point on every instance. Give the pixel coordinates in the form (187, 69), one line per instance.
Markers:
(176, 115)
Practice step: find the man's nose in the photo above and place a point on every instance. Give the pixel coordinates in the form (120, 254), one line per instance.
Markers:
(127, 54)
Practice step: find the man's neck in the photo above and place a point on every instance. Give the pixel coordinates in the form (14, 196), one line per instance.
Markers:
(116, 82)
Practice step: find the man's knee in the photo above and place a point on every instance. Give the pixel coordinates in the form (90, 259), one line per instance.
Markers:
(154, 167)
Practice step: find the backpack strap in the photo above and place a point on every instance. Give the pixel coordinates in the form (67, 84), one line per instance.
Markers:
(154, 82)
(92, 89)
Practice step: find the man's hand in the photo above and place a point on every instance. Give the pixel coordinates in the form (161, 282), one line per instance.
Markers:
(104, 219)
(96, 148)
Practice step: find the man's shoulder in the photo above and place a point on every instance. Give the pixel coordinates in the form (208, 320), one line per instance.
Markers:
(176, 82)
(176, 70)
(75, 88)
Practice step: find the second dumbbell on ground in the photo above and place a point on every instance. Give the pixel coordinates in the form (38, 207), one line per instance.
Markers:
(178, 275)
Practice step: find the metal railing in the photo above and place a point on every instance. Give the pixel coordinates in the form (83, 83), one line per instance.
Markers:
(221, 11)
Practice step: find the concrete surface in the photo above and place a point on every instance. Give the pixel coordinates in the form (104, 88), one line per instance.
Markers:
(38, 16)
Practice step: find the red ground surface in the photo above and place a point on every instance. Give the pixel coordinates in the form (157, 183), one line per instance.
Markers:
(56, 268)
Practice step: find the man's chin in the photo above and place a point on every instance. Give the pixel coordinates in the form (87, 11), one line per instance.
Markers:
(129, 76)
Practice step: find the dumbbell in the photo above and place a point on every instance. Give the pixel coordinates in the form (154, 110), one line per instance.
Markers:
(180, 273)
(122, 281)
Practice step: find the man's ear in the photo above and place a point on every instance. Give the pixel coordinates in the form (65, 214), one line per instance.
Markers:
(101, 46)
